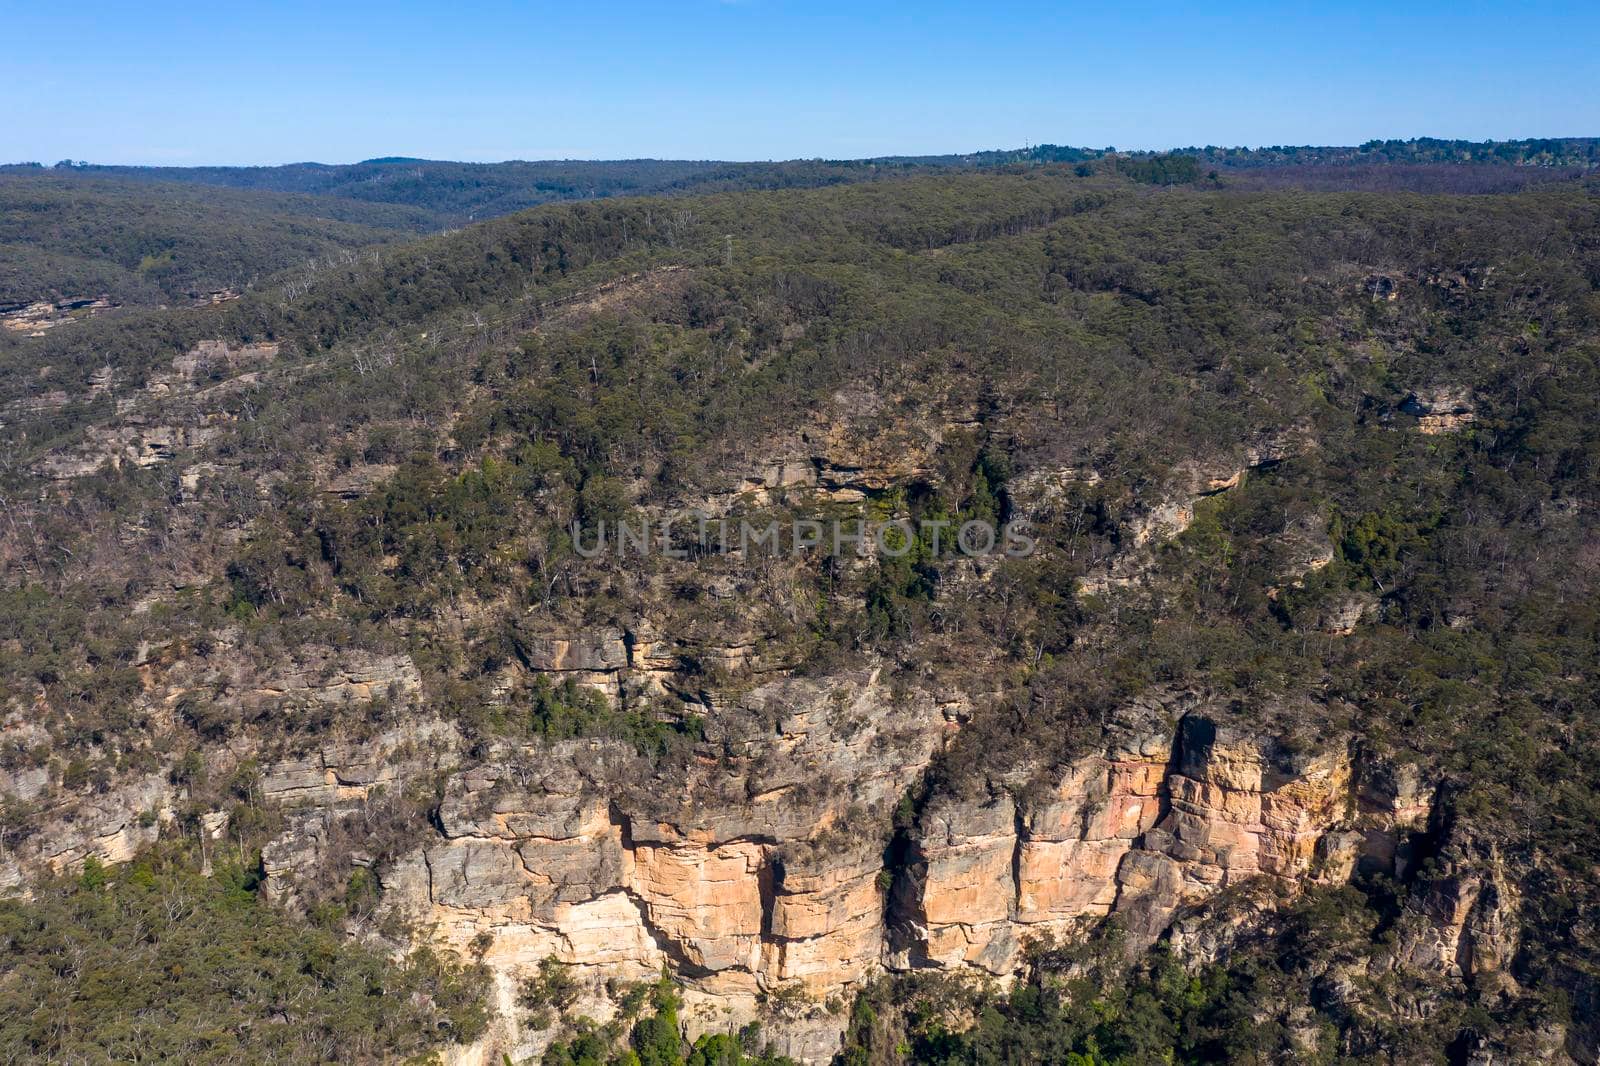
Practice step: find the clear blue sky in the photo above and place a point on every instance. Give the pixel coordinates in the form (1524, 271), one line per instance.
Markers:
(138, 82)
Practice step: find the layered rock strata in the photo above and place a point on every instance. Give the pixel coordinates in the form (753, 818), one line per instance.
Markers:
(791, 891)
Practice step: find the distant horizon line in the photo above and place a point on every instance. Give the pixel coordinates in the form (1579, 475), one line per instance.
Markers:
(400, 160)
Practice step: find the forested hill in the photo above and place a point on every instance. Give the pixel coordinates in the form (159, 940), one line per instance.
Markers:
(463, 192)
(73, 234)
(1527, 152)
(140, 236)
(1280, 747)
(66, 235)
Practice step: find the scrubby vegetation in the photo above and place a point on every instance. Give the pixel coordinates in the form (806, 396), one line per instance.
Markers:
(1279, 994)
(157, 234)
(1093, 345)
(463, 192)
(648, 1016)
(153, 962)
(64, 236)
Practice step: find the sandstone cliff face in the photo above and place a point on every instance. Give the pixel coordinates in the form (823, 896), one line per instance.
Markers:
(1151, 827)
(777, 879)
(112, 827)
(769, 876)
(760, 875)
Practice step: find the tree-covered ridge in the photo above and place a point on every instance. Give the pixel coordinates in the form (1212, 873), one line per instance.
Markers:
(464, 192)
(1091, 349)
(143, 235)
(1073, 307)
(148, 235)
(65, 236)
(1534, 151)
(474, 191)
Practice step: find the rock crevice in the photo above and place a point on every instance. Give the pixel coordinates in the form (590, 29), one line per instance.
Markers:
(546, 853)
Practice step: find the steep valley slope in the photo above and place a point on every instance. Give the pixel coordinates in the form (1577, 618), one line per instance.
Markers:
(1295, 693)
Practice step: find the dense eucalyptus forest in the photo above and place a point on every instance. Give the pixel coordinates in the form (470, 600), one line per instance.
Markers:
(322, 742)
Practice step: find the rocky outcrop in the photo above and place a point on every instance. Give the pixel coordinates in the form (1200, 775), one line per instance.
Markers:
(1441, 409)
(338, 775)
(343, 677)
(774, 876)
(858, 451)
(35, 319)
(313, 683)
(112, 826)
(216, 358)
(594, 657)
(1156, 513)
(150, 429)
(1464, 923)
(1343, 612)
(311, 788)
(758, 876)
(1154, 826)
(134, 443)
(359, 480)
